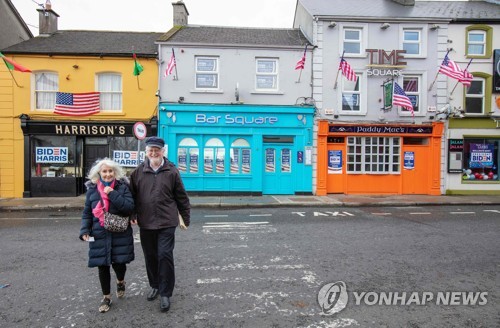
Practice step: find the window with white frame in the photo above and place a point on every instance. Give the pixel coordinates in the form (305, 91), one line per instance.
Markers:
(476, 42)
(376, 155)
(109, 86)
(475, 96)
(411, 86)
(266, 74)
(353, 98)
(46, 87)
(207, 73)
(352, 41)
(412, 41)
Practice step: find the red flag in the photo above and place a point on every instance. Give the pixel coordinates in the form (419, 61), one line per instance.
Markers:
(171, 64)
(13, 66)
(399, 98)
(347, 70)
(77, 104)
(302, 61)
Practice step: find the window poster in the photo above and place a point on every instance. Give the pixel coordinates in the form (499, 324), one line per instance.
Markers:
(128, 158)
(270, 160)
(193, 160)
(285, 161)
(235, 165)
(245, 161)
(53, 155)
(481, 155)
(409, 160)
(181, 160)
(334, 161)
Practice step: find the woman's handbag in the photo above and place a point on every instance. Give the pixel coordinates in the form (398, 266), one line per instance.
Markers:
(114, 222)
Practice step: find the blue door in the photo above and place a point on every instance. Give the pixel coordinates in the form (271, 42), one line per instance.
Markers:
(278, 169)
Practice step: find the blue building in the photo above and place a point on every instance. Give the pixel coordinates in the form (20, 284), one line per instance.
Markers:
(252, 149)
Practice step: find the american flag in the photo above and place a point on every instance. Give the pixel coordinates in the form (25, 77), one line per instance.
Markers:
(466, 79)
(399, 98)
(347, 70)
(77, 104)
(450, 68)
(171, 64)
(302, 61)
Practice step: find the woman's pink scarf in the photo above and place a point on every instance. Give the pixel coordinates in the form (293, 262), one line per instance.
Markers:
(99, 210)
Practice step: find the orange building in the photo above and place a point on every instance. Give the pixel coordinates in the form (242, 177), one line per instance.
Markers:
(386, 159)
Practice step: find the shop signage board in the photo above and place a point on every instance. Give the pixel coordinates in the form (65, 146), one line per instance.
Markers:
(381, 129)
(455, 154)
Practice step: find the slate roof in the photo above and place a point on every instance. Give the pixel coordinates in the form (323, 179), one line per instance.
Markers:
(90, 43)
(234, 36)
(455, 10)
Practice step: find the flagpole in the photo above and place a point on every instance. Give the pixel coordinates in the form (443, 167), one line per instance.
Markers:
(337, 77)
(14, 78)
(138, 85)
(175, 66)
(432, 84)
(464, 75)
(300, 74)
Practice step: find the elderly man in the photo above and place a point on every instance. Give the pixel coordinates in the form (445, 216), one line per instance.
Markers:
(159, 196)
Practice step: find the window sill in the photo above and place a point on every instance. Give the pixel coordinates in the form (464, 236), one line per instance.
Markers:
(352, 113)
(218, 91)
(262, 92)
(479, 182)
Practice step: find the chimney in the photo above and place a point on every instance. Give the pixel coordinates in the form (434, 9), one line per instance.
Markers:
(405, 2)
(180, 13)
(47, 19)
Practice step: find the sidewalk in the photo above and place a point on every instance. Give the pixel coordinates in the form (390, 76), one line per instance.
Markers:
(334, 200)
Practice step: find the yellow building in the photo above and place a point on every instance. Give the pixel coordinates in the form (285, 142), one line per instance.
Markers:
(81, 101)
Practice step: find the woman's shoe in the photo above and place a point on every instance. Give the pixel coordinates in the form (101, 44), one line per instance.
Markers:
(120, 289)
(105, 305)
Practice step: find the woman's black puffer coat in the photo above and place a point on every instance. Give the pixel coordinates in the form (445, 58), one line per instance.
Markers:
(108, 247)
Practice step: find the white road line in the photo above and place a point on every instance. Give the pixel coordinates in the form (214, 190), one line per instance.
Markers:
(250, 266)
(420, 213)
(260, 215)
(237, 223)
(216, 216)
(462, 212)
(382, 213)
(494, 211)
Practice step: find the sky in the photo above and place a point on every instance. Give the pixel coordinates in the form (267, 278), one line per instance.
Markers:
(157, 16)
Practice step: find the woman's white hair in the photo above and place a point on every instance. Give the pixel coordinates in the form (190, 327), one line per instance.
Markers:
(94, 171)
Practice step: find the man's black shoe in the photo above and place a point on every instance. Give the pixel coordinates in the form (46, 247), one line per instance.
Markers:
(153, 294)
(164, 303)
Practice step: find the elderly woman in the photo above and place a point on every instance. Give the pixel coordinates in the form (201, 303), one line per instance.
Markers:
(108, 191)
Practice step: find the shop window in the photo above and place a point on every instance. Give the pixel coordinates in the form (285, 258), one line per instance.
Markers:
(207, 73)
(352, 41)
(188, 155)
(214, 155)
(270, 160)
(481, 159)
(110, 87)
(54, 156)
(411, 86)
(373, 155)
(479, 41)
(474, 98)
(266, 78)
(46, 87)
(353, 98)
(124, 151)
(240, 154)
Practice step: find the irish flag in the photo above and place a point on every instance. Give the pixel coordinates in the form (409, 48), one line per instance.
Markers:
(13, 66)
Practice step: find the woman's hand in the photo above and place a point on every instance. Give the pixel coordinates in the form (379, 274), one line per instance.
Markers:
(85, 237)
(108, 189)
